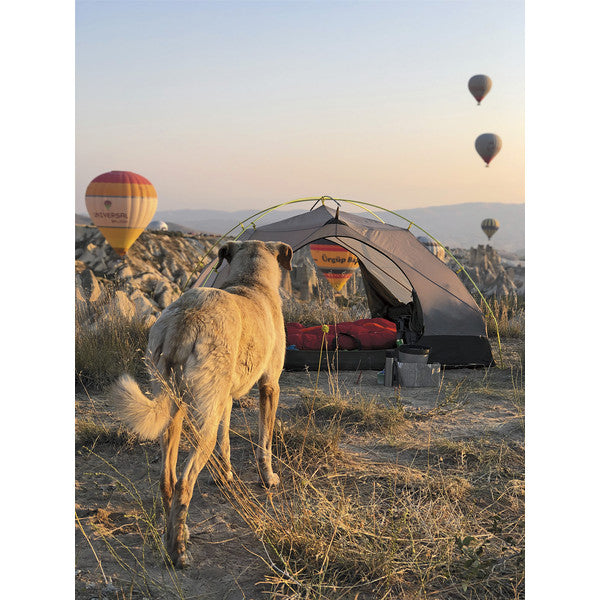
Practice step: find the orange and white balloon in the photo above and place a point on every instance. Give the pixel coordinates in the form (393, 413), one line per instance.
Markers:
(121, 204)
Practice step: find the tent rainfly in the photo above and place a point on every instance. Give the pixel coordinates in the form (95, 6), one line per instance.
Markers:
(404, 282)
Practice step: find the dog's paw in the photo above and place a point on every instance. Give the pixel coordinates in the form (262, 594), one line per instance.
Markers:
(183, 561)
(270, 480)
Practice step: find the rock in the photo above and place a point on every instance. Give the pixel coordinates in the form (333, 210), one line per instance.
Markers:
(143, 305)
(164, 294)
(304, 277)
(120, 306)
(485, 267)
(81, 305)
(89, 285)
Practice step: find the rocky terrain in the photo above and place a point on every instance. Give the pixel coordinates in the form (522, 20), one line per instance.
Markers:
(151, 276)
(160, 265)
(495, 275)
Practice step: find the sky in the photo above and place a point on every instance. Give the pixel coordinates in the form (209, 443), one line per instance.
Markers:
(237, 105)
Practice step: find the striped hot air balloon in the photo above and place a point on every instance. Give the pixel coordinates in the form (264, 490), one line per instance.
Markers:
(335, 263)
(490, 226)
(121, 204)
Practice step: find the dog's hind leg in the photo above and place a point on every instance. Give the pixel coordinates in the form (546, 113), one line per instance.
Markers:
(169, 445)
(177, 533)
(223, 446)
(269, 398)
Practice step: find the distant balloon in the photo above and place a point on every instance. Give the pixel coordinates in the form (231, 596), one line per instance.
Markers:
(433, 247)
(490, 226)
(487, 146)
(121, 204)
(335, 263)
(479, 86)
(158, 226)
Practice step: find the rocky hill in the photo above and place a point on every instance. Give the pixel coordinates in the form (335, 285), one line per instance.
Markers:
(161, 264)
(151, 276)
(495, 275)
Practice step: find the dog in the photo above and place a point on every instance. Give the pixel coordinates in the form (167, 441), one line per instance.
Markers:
(211, 345)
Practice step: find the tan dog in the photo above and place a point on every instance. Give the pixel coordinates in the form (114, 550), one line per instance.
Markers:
(212, 345)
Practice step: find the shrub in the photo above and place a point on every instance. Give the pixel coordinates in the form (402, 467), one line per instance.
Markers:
(108, 345)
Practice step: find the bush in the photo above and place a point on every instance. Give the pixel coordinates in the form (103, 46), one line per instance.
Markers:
(108, 345)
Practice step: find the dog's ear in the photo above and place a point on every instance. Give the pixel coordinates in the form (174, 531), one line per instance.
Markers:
(284, 256)
(226, 252)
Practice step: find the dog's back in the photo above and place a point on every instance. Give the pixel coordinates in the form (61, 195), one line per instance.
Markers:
(233, 334)
(214, 344)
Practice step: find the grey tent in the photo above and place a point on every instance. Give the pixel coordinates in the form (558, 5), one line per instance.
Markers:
(404, 282)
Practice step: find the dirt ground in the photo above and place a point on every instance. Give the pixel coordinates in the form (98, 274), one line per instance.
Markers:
(114, 480)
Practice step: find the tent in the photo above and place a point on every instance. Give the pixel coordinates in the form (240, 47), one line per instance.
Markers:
(404, 282)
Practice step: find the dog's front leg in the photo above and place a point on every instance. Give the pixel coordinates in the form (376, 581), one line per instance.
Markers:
(269, 398)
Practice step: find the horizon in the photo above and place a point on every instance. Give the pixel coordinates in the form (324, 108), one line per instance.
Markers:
(243, 104)
(346, 208)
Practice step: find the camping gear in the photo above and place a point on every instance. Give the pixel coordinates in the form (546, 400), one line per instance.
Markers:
(364, 334)
(389, 368)
(404, 283)
(418, 375)
(411, 353)
(338, 360)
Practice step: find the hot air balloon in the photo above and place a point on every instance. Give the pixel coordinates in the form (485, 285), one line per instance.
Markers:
(490, 226)
(487, 146)
(479, 86)
(335, 263)
(158, 226)
(121, 204)
(433, 247)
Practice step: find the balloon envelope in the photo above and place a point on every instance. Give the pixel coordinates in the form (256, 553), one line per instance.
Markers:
(121, 204)
(433, 247)
(335, 263)
(158, 226)
(479, 86)
(487, 146)
(490, 226)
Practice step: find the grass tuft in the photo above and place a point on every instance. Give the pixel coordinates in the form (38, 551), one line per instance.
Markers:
(108, 345)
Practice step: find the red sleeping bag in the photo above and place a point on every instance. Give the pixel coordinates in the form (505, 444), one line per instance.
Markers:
(365, 334)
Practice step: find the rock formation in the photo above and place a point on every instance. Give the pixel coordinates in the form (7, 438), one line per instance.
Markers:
(151, 276)
(494, 275)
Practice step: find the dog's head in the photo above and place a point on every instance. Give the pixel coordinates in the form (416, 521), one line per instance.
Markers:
(280, 250)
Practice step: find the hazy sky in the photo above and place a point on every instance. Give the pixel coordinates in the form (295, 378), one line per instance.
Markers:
(236, 105)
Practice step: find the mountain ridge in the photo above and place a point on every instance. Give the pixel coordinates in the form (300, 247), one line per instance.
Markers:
(454, 225)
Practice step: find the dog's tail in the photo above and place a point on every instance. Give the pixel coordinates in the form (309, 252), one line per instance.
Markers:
(146, 417)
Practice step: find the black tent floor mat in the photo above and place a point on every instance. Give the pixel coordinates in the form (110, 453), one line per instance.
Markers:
(450, 351)
(341, 360)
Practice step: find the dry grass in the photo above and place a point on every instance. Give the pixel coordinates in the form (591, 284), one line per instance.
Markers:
(444, 518)
(325, 309)
(510, 315)
(108, 345)
(342, 529)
